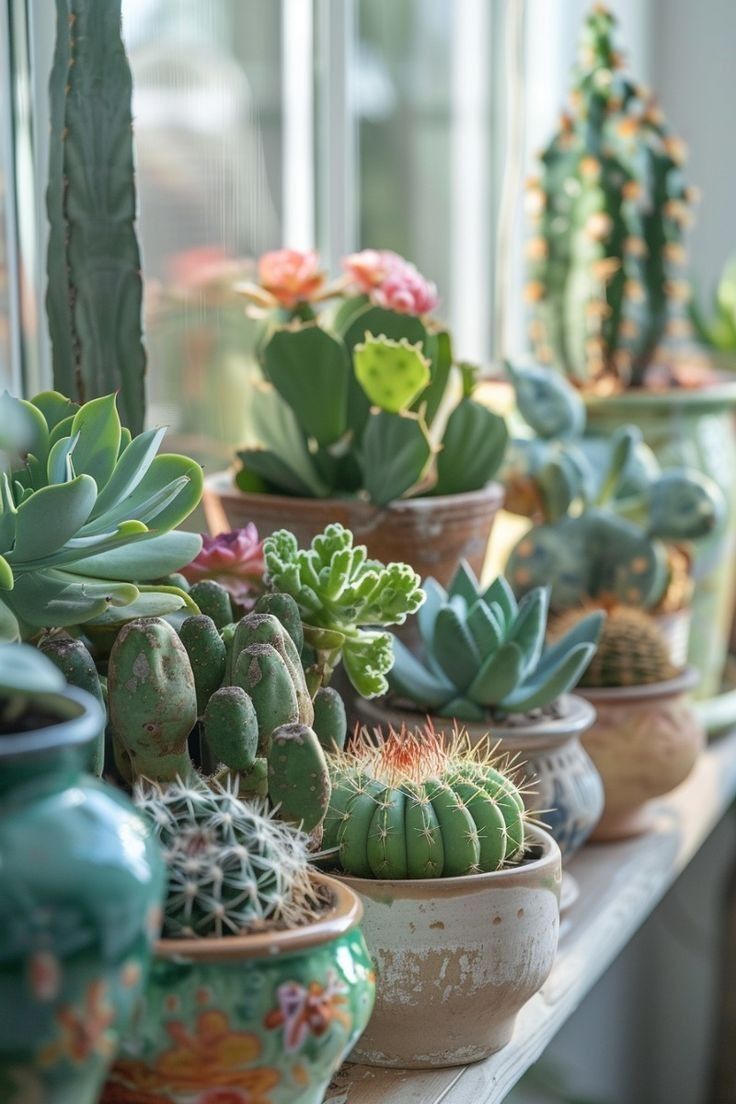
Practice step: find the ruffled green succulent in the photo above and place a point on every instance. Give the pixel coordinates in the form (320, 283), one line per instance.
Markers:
(88, 518)
(484, 652)
(345, 599)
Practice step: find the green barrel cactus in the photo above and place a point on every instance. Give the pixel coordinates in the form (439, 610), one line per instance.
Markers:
(608, 213)
(95, 288)
(632, 650)
(484, 653)
(232, 868)
(422, 805)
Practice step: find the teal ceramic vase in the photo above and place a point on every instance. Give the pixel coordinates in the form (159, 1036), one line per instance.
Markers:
(694, 428)
(254, 1019)
(81, 885)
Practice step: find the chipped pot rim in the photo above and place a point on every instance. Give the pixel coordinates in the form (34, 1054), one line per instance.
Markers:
(344, 915)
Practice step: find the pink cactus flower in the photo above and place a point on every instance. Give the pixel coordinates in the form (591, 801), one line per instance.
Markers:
(369, 268)
(291, 277)
(235, 561)
(391, 281)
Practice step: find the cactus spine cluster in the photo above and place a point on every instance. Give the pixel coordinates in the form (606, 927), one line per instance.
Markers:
(632, 650)
(417, 804)
(186, 705)
(608, 215)
(233, 869)
(95, 288)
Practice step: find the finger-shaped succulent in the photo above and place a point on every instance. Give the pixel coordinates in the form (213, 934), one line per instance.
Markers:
(418, 804)
(344, 599)
(233, 868)
(88, 518)
(484, 653)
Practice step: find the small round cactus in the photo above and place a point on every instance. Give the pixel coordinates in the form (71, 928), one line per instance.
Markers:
(418, 804)
(632, 650)
(233, 869)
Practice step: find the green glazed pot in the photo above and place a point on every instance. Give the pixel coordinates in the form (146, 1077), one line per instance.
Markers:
(694, 428)
(254, 1019)
(81, 885)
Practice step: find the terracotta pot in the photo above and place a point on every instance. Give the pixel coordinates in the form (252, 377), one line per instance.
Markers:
(431, 534)
(562, 779)
(644, 743)
(266, 1017)
(457, 958)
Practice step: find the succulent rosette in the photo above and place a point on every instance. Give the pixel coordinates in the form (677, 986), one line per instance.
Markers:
(235, 561)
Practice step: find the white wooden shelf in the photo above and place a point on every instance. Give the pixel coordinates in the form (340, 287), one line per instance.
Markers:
(620, 885)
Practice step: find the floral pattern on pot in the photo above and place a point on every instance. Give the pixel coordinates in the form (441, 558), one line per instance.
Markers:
(246, 1031)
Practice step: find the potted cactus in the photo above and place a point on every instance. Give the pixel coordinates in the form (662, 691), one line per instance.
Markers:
(484, 665)
(646, 736)
(363, 418)
(82, 888)
(262, 982)
(609, 295)
(87, 519)
(460, 893)
(609, 525)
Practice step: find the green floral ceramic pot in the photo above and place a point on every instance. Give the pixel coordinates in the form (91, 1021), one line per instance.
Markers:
(694, 428)
(81, 885)
(255, 1019)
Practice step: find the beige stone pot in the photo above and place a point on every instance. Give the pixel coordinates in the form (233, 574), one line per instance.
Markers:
(644, 742)
(457, 958)
(432, 534)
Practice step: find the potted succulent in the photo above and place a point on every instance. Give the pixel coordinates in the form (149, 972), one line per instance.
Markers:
(262, 982)
(84, 510)
(460, 894)
(646, 736)
(82, 889)
(362, 417)
(609, 295)
(483, 664)
(608, 524)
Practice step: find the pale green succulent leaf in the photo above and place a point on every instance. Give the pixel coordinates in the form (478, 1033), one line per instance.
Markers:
(546, 685)
(497, 676)
(9, 628)
(500, 591)
(6, 575)
(464, 583)
(152, 556)
(454, 648)
(130, 469)
(411, 679)
(53, 598)
(485, 627)
(98, 425)
(48, 518)
(152, 603)
(436, 598)
(530, 625)
(54, 407)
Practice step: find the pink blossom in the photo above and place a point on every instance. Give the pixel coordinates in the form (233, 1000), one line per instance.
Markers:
(369, 268)
(234, 560)
(291, 277)
(391, 281)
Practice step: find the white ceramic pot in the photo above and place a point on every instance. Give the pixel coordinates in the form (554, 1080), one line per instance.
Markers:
(457, 958)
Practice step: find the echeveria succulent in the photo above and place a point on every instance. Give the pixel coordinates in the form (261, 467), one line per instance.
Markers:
(87, 519)
(234, 560)
(345, 599)
(484, 652)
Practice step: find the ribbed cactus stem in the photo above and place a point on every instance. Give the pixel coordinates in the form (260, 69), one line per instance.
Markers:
(95, 289)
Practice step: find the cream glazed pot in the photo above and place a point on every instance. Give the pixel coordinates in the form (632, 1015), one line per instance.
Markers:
(457, 958)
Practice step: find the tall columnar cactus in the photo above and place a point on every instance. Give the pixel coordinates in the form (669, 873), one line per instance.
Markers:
(483, 653)
(171, 718)
(232, 867)
(94, 293)
(608, 214)
(422, 805)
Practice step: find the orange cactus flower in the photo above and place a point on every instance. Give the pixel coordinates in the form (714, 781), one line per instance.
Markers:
(291, 277)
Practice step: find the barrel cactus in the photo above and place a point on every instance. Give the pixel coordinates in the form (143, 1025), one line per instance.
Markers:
(484, 654)
(418, 804)
(608, 213)
(632, 650)
(233, 868)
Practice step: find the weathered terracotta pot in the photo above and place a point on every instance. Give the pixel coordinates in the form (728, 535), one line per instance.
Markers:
(266, 1017)
(432, 534)
(563, 784)
(457, 958)
(644, 743)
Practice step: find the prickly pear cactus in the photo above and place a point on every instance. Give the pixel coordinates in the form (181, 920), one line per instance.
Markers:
(422, 805)
(392, 373)
(95, 288)
(608, 212)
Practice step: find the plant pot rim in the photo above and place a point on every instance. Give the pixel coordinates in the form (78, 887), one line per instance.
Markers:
(686, 680)
(345, 914)
(222, 483)
(721, 391)
(466, 884)
(80, 728)
(546, 731)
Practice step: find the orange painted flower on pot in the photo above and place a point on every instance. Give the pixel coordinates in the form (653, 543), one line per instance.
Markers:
(123, 1092)
(84, 1031)
(302, 1011)
(214, 1055)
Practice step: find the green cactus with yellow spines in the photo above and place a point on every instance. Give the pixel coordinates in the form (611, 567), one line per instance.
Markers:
(418, 804)
(632, 650)
(608, 213)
